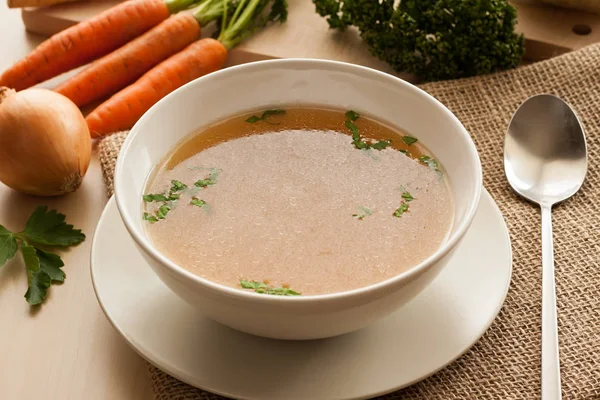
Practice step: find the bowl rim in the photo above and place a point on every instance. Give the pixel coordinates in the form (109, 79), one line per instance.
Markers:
(305, 63)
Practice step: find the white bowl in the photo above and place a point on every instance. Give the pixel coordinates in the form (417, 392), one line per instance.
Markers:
(296, 82)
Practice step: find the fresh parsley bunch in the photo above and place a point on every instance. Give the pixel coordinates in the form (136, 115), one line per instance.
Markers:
(44, 229)
(434, 39)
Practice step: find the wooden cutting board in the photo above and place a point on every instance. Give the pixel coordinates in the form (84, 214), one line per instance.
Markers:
(549, 31)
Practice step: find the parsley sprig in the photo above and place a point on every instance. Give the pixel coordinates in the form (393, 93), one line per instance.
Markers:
(43, 229)
(263, 288)
(357, 141)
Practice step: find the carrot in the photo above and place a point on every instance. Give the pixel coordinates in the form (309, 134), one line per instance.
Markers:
(89, 40)
(122, 110)
(116, 70)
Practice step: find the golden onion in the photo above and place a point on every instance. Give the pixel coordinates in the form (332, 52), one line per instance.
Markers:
(45, 144)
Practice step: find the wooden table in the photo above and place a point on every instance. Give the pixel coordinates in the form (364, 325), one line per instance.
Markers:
(67, 349)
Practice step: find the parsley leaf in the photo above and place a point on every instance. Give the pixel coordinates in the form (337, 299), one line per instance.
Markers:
(382, 144)
(356, 140)
(163, 211)
(197, 202)
(253, 119)
(262, 288)
(150, 218)
(352, 115)
(353, 129)
(38, 280)
(409, 140)
(49, 228)
(252, 284)
(51, 264)
(363, 212)
(407, 196)
(173, 196)
(265, 115)
(148, 198)
(430, 162)
(8, 245)
(202, 183)
(401, 210)
(177, 186)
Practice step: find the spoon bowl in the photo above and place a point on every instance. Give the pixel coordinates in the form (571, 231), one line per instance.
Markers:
(545, 152)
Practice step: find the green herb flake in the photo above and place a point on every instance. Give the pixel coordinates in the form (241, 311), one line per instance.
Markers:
(197, 202)
(148, 198)
(407, 196)
(177, 186)
(150, 218)
(363, 212)
(430, 162)
(265, 115)
(353, 129)
(173, 197)
(401, 210)
(202, 183)
(409, 140)
(382, 144)
(268, 113)
(352, 115)
(253, 119)
(163, 211)
(262, 288)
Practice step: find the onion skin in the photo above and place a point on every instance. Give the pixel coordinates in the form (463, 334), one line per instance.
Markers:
(45, 144)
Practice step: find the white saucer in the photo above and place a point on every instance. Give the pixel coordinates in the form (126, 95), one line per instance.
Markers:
(417, 340)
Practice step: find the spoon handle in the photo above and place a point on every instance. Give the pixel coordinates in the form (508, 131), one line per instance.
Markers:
(550, 361)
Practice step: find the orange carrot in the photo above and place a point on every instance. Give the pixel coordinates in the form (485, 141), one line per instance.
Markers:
(122, 110)
(89, 40)
(118, 69)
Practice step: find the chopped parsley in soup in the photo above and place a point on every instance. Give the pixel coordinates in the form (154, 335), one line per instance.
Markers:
(298, 201)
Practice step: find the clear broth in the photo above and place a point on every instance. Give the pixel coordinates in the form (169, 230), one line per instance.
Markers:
(290, 202)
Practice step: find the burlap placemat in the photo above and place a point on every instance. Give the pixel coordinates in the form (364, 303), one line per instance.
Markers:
(505, 363)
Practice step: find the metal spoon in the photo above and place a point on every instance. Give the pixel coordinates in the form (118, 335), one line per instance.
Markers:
(545, 161)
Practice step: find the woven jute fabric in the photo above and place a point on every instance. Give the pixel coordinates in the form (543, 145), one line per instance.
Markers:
(505, 363)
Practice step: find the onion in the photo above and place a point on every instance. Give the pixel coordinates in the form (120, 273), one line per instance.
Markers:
(45, 144)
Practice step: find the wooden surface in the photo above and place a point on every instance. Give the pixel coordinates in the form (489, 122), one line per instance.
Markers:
(67, 350)
(549, 31)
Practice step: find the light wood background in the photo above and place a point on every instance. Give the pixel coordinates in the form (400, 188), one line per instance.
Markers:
(67, 350)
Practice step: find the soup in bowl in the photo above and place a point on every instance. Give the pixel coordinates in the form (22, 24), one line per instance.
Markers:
(297, 199)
